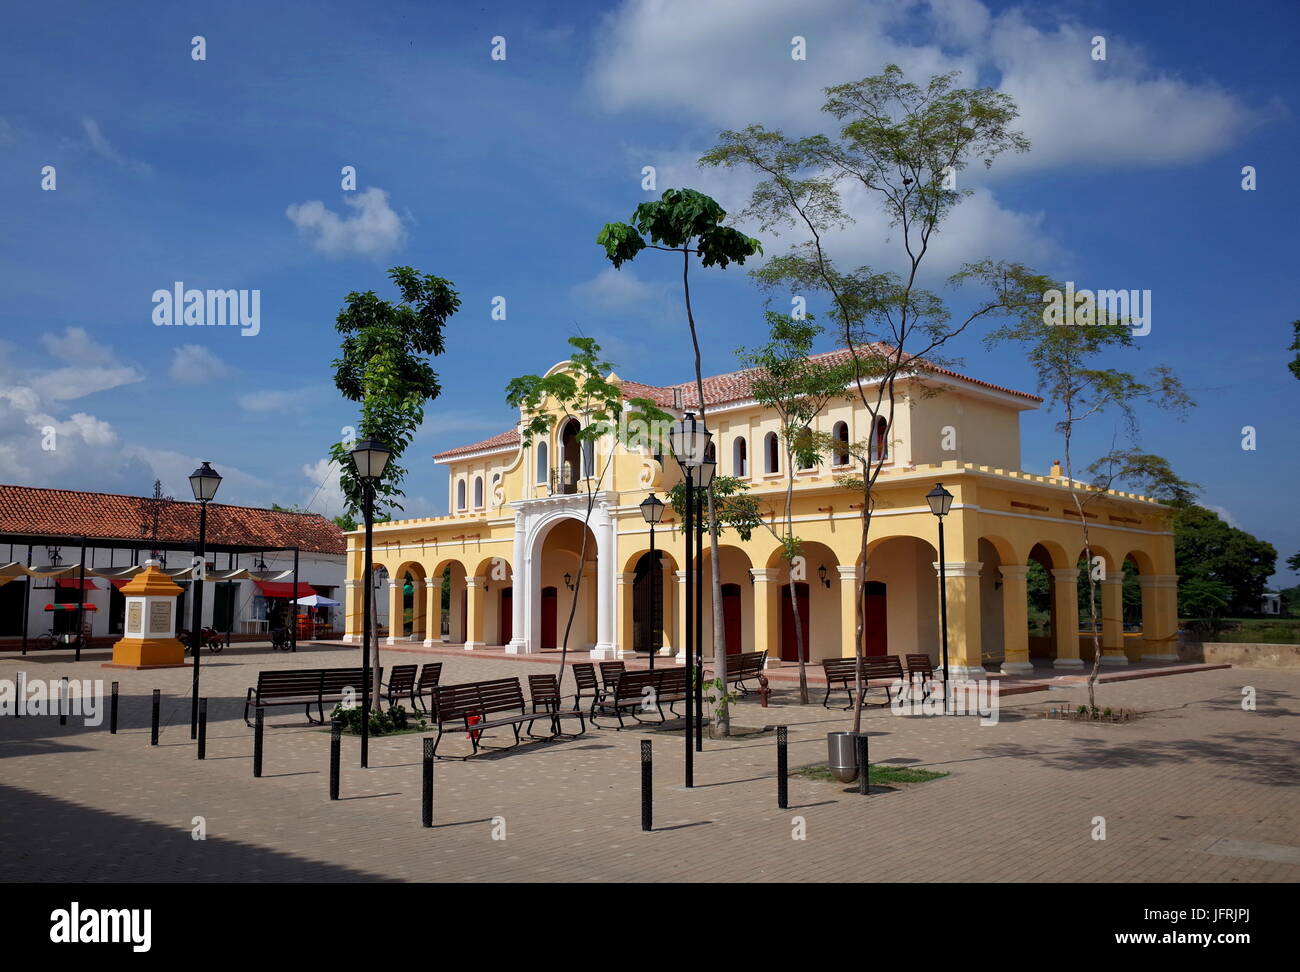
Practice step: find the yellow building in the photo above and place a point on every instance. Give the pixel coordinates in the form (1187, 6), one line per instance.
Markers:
(512, 538)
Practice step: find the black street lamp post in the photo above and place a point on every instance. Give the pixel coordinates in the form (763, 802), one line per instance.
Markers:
(204, 482)
(689, 442)
(940, 501)
(705, 482)
(369, 457)
(652, 510)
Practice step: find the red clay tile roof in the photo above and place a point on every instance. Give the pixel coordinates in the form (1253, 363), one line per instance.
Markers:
(26, 510)
(498, 441)
(734, 386)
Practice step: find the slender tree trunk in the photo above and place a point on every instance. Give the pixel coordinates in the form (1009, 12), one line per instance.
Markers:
(1087, 567)
(722, 714)
(794, 600)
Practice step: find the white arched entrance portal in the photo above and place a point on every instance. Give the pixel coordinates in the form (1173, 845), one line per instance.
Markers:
(534, 520)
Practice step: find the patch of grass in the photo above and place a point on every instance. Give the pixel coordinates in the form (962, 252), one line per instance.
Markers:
(875, 774)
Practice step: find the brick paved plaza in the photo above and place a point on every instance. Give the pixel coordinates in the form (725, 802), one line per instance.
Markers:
(1196, 790)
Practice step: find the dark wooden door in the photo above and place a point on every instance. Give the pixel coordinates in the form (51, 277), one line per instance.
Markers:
(550, 616)
(875, 620)
(789, 644)
(507, 615)
(731, 615)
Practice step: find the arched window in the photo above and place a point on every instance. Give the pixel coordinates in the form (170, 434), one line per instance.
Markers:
(739, 457)
(478, 492)
(880, 440)
(460, 494)
(543, 465)
(841, 436)
(771, 454)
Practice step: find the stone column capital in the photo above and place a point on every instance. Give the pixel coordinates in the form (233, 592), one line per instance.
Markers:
(1014, 572)
(1070, 574)
(959, 568)
(762, 575)
(849, 573)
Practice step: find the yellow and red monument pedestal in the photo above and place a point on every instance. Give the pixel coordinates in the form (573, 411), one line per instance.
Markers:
(150, 639)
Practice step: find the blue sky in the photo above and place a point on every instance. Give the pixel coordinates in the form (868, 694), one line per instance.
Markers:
(499, 173)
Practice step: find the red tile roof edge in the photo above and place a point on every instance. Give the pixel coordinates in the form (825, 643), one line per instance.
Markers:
(44, 511)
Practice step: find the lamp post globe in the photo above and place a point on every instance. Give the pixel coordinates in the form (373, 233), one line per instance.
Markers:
(204, 482)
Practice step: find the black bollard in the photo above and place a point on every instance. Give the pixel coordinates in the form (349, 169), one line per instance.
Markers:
(782, 768)
(426, 794)
(153, 730)
(63, 701)
(647, 780)
(258, 728)
(336, 744)
(112, 712)
(203, 729)
(864, 784)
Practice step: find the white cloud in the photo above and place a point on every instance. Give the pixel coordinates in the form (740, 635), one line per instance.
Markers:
(619, 291)
(89, 367)
(728, 62)
(274, 400)
(195, 363)
(100, 145)
(372, 230)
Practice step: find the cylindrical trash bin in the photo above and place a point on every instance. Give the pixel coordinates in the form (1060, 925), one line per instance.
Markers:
(842, 755)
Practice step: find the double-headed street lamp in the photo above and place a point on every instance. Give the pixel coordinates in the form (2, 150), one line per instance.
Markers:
(689, 441)
(369, 457)
(940, 501)
(652, 511)
(204, 482)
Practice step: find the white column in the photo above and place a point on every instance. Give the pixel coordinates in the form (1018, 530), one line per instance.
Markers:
(680, 627)
(606, 568)
(521, 595)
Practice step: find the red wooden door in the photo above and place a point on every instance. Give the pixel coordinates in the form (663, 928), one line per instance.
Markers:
(549, 618)
(875, 620)
(731, 615)
(789, 644)
(507, 615)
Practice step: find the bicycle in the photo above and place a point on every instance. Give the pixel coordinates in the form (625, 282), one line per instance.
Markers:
(210, 638)
(50, 640)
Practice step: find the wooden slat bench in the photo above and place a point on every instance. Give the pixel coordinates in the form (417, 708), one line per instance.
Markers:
(496, 702)
(427, 682)
(305, 687)
(742, 668)
(840, 674)
(636, 691)
(401, 682)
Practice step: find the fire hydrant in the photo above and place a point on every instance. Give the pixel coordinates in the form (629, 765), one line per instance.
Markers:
(763, 691)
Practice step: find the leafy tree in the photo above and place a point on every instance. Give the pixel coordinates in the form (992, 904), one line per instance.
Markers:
(345, 522)
(787, 380)
(690, 223)
(1203, 602)
(902, 146)
(1295, 346)
(1064, 357)
(583, 391)
(1207, 548)
(1293, 561)
(383, 363)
